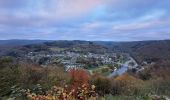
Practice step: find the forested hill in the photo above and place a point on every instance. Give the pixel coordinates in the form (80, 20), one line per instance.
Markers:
(140, 50)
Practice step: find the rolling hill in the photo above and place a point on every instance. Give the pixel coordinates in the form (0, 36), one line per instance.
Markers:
(140, 50)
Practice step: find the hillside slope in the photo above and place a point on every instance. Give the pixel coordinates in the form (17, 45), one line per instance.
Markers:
(142, 50)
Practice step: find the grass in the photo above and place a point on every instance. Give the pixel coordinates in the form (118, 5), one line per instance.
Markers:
(99, 70)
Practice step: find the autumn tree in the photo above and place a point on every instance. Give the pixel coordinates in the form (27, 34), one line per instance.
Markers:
(56, 75)
(103, 85)
(128, 84)
(78, 77)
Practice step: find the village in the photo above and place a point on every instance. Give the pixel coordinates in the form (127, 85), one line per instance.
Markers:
(109, 64)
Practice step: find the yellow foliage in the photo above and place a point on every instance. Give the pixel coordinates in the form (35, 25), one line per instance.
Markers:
(128, 79)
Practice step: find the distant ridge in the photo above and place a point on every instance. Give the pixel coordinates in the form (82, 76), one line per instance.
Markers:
(17, 42)
(152, 50)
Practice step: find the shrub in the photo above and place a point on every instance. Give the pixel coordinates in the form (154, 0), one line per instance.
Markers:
(128, 85)
(31, 74)
(103, 85)
(8, 78)
(56, 76)
(78, 77)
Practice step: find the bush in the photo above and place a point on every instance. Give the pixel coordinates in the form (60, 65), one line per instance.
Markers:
(56, 76)
(31, 74)
(6, 62)
(8, 78)
(78, 77)
(128, 85)
(103, 85)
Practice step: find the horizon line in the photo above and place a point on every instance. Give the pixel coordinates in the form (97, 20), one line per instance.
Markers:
(81, 40)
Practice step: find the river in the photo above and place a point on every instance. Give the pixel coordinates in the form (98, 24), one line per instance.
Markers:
(124, 67)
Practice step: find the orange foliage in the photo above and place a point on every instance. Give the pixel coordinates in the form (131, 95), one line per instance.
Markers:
(78, 77)
(128, 84)
(128, 79)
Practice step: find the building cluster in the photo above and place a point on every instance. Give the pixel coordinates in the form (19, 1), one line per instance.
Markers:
(73, 59)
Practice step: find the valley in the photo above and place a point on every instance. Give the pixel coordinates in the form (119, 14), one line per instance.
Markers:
(95, 58)
(135, 69)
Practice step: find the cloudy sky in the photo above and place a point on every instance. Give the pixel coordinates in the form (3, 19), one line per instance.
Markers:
(107, 20)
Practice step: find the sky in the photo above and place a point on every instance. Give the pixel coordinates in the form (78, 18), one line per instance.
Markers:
(104, 20)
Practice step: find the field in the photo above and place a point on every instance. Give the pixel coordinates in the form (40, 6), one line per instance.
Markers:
(103, 70)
